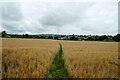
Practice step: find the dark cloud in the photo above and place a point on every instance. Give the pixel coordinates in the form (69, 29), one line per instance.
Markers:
(13, 26)
(12, 17)
(64, 17)
(11, 11)
(58, 19)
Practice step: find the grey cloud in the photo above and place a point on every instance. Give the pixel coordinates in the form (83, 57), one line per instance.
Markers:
(12, 17)
(53, 22)
(62, 15)
(58, 19)
(11, 11)
(13, 26)
(119, 17)
(33, 27)
(65, 18)
(101, 19)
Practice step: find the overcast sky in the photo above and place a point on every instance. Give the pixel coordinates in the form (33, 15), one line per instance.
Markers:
(59, 16)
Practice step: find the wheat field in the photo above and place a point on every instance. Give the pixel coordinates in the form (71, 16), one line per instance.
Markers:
(31, 58)
(87, 59)
(27, 58)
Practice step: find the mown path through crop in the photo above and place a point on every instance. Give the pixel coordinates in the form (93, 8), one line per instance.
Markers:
(58, 69)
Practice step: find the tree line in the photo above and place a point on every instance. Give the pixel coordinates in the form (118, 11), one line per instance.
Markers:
(116, 38)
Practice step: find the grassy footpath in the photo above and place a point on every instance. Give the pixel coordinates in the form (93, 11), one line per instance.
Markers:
(58, 69)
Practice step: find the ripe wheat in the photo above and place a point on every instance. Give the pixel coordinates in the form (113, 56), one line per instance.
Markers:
(85, 59)
(27, 58)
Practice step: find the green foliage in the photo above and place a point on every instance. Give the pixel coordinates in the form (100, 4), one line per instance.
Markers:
(4, 33)
(50, 37)
(117, 38)
(73, 37)
(65, 37)
(90, 38)
(58, 69)
(101, 38)
(56, 36)
(26, 36)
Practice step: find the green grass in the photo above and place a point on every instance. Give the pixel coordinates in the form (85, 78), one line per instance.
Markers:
(58, 69)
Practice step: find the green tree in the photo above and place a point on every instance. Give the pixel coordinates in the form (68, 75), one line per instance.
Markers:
(4, 33)
(50, 37)
(73, 37)
(56, 37)
(103, 37)
(26, 36)
(117, 38)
